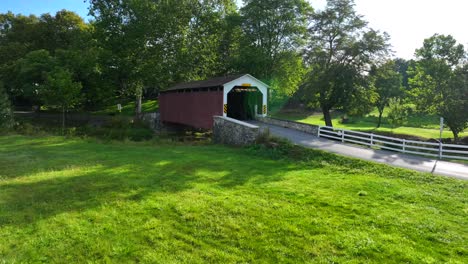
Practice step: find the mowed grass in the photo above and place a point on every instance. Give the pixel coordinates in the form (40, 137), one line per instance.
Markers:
(75, 201)
(424, 126)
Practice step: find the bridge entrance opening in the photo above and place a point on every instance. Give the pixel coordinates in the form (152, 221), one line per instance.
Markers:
(244, 102)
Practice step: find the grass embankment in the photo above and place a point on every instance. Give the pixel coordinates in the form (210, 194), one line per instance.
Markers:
(129, 108)
(75, 200)
(424, 126)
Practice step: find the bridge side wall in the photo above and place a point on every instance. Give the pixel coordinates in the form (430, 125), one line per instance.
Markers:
(306, 128)
(230, 131)
(195, 109)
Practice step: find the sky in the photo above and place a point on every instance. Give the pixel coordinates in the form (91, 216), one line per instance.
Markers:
(408, 22)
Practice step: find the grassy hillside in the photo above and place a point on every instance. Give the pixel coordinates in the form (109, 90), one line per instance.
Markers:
(129, 108)
(424, 126)
(74, 201)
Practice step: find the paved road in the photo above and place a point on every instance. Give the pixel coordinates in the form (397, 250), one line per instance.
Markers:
(418, 163)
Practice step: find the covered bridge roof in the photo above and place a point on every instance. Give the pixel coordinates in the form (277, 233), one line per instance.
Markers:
(215, 82)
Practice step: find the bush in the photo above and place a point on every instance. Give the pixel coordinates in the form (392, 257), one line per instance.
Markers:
(25, 128)
(118, 129)
(397, 112)
(277, 148)
(6, 114)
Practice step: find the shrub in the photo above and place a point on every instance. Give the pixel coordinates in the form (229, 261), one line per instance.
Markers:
(6, 114)
(120, 129)
(25, 128)
(116, 129)
(397, 112)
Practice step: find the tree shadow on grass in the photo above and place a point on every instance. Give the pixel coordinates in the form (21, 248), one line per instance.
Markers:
(105, 173)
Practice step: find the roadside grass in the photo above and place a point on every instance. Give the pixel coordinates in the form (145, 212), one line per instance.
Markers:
(81, 200)
(129, 108)
(424, 126)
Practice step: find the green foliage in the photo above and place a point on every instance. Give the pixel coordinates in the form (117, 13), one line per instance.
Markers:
(134, 49)
(402, 67)
(43, 43)
(6, 113)
(273, 36)
(397, 112)
(146, 202)
(438, 81)
(120, 129)
(65, 30)
(441, 48)
(32, 71)
(340, 49)
(128, 109)
(386, 81)
(153, 44)
(43, 81)
(455, 106)
(361, 101)
(59, 90)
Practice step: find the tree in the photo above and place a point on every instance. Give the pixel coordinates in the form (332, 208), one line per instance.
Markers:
(438, 81)
(387, 84)
(397, 112)
(123, 38)
(44, 80)
(208, 39)
(31, 45)
(64, 30)
(156, 43)
(402, 67)
(60, 91)
(273, 35)
(30, 73)
(341, 50)
(455, 106)
(18, 36)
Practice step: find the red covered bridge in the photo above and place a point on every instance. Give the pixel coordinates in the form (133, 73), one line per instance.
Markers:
(195, 103)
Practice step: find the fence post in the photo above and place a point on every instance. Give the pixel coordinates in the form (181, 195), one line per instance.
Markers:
(404, 145)
(371, 139)
(318, 131)
(342, 136)
(440, 149)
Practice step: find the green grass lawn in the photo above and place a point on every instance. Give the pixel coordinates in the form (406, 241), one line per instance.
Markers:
(79, 200)
(424, 126)
(129, 108)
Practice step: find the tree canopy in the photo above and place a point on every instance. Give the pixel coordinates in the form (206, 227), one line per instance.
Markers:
(438, 81)
(341, 49)
(387, 84)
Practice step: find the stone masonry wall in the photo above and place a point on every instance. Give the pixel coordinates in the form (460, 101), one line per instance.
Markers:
(234, 132)
(310, 129)
(153, 120)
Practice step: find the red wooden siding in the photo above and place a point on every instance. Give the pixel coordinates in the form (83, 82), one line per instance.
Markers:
(195, 109)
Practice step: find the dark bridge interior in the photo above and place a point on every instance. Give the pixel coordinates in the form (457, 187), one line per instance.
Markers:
(243, 102)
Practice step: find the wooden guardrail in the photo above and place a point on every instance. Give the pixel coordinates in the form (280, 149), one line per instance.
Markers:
(438, 150)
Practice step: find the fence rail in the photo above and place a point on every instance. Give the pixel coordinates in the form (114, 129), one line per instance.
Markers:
(438, 150)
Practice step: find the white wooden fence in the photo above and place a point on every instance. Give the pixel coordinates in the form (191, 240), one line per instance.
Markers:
(438, 150)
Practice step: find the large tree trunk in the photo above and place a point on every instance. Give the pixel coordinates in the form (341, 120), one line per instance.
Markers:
(455, 136)
(327, 116)
(380, 118)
